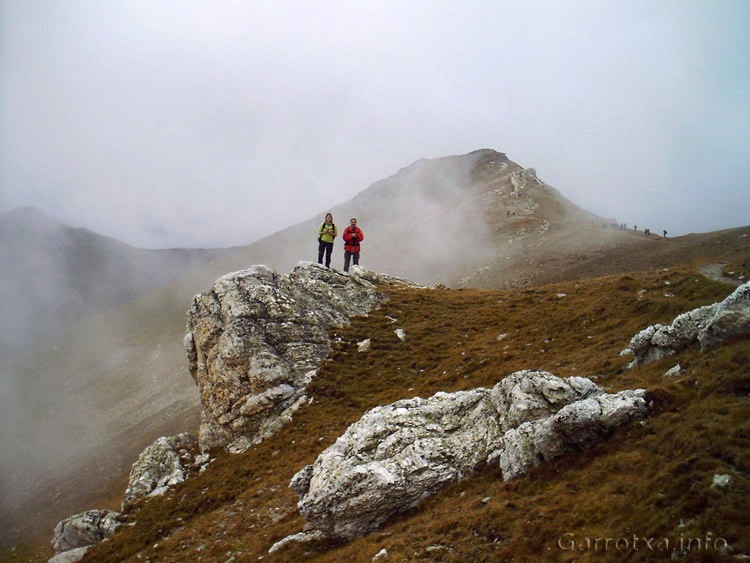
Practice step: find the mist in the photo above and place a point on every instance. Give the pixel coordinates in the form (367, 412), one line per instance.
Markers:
(179, 125)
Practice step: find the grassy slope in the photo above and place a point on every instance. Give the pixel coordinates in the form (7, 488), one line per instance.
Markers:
(649, 479)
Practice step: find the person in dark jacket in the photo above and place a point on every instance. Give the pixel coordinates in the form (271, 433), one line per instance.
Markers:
(352, 237)
(326, 233)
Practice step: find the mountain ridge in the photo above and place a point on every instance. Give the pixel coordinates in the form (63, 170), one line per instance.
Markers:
(145, 332)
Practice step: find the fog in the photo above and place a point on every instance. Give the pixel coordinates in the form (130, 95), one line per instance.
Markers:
(187, 124)
(194, 125)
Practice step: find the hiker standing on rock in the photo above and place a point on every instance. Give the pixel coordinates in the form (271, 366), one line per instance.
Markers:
(326, 233)
(352, 237)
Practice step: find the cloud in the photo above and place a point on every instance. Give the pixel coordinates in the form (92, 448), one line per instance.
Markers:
(193, 124)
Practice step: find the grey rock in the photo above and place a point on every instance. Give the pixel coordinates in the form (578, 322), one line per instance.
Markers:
(84, 529)
(708, 325)
(301, 538)
(673, 371)
(72, 556)
(579, 424)
(398, 454)
(163, 463)
(256, 339)
(721, 480)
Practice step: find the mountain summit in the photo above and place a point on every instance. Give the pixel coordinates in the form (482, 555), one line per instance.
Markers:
(477, 219)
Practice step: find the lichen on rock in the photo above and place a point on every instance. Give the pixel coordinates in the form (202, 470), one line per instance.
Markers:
(256, 339)
(398, 454)
(708, 325)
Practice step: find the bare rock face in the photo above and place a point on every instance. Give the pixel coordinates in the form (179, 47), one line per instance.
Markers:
(160, 465)
(397, 454)
(84, 529)
(708, 325)
(256, 339)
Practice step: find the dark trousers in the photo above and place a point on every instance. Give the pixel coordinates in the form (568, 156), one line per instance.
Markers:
(325, 248)
(349, 256)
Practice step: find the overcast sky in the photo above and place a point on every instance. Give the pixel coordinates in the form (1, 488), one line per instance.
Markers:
(186, 123)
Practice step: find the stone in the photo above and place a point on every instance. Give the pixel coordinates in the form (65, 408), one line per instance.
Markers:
(84, 529)
(708, 325)
(301, 538)
(256, 339)
(364, 346)
(398, 454)
(673, 371)
(72, 556)
(579, 424)
(721, 480)
(163, 463)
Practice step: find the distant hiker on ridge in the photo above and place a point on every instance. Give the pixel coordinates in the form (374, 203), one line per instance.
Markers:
(326, 233)
(352, 237)
(665, 234)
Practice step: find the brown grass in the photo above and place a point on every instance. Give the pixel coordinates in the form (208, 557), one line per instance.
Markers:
(651, 479)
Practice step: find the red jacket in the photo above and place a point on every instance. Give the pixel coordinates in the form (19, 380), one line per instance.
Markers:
(349, 244)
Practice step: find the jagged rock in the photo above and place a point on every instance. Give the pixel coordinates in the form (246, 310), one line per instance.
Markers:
(398, 454)
(255, 340)
(708, 325)
(673, 371)
(575, 425)
(364, 346)
(160, 465)
(84, 529)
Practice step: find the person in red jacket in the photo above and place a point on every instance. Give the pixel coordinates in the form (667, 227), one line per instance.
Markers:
(352, 237)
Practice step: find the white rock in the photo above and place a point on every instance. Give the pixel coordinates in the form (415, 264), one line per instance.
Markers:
(84, 529)
(400, 334)
(381, 555)
(398, 454)
(301, 538)
(256, 338)
(708, 325)
(721, 480)
(364, 346)
(72, 556)
(157, 467)
(673, 371)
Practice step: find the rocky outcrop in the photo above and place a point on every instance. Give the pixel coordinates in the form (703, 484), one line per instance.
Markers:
(708, 325)
(72, 556)
(160, 465)
(255, 340)
(84, 529)
(398, 454)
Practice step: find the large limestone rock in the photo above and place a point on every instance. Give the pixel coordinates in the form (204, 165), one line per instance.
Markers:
(160, 465)
(84, 529)
(255, 340)
(708, 325)
(397, 454)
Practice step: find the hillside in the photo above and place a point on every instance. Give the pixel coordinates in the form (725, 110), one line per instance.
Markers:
(651, 479)
(424, 222)
(54, 275)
